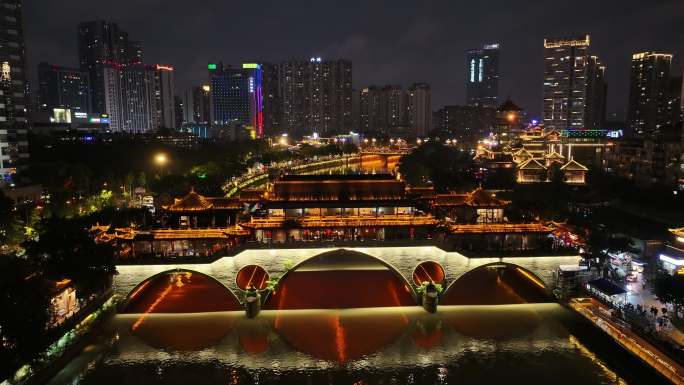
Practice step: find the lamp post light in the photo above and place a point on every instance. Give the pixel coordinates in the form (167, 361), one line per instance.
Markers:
(161, 160)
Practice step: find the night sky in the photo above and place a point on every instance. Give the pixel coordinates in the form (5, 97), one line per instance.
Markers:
(398, 42)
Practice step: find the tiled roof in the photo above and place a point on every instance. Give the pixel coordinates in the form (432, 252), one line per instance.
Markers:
(573, 165)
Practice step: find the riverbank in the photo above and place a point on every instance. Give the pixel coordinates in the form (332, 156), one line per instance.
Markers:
(68, 342)
(599, 316)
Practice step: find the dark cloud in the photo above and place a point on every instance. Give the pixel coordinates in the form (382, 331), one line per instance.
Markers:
(399, 42)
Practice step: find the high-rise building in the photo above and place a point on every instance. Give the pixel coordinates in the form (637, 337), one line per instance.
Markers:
(231, 99)
(139, 97)
(316, 96)
(165, 113)
(272, 100)
(255, 73)
(648, 108)
(568, 91)
(13, 99)
(293, 74)
(113, 98)
(178, 106)
(464, 123)
(60, 87)
(101, 43)
(364, 110)
(382, 109)
(596, 94)
(681, 100)
(196, 105)
(419, 109)
(674, 102)
(482, 85)
(395, 106)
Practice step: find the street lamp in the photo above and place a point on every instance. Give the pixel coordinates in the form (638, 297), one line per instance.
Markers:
(160, 159)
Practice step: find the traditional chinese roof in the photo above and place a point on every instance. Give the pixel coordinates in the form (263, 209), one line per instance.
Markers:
(337, 188)
(251, 195)
(219, 233)
(191, 202)
(531, 164)
(221, 203)
(554, 155)
(573, 165)
(678, 232)
(522, 152)
(421, 191)
(552, 132)
(97, 228)
(476, 198)
(480, 197)
(501, 228)
(130, 234)
(449, 200)
(508, 105)
(196, 202)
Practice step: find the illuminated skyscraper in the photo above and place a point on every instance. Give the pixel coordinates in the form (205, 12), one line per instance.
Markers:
(138, 97)
(568, 91)
(482, 84)
(165, 114)
(13, 98)
(256, 97)
(231, 96)
(316, 96)
(649, 92)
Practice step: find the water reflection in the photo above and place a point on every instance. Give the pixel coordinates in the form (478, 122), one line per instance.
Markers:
(519, 344)
(337, 336)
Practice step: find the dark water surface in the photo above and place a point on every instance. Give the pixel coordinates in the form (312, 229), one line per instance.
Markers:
(500, 344)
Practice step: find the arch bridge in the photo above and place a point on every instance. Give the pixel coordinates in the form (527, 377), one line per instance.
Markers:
(319, 274)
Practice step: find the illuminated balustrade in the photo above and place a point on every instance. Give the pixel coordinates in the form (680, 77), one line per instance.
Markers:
(342, 221)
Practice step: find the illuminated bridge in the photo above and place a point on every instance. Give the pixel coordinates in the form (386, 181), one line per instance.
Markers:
(336, 278)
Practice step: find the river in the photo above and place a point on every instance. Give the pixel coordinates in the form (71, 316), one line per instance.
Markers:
(495, 344)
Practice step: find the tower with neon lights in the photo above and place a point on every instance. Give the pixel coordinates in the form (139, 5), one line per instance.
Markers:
(482, 84)
(256, 97)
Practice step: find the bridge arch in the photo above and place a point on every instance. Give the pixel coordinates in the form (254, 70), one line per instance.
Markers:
(180, 290)
(342, 278)
(496, 283)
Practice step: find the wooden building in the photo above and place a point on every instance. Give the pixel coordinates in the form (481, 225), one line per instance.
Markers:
(338, 207)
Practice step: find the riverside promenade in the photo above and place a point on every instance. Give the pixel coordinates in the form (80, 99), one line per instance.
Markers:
(599, 315)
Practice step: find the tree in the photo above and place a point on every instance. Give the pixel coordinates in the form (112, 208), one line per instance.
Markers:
(25, 304)
(669, 289)
(446, 167)
(66, 250)
(602, 242)
(11, 231)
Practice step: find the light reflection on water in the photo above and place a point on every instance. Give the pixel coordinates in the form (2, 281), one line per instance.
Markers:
(513, 344)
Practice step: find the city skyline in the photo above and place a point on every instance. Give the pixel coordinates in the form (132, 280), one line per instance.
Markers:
(381, 57)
